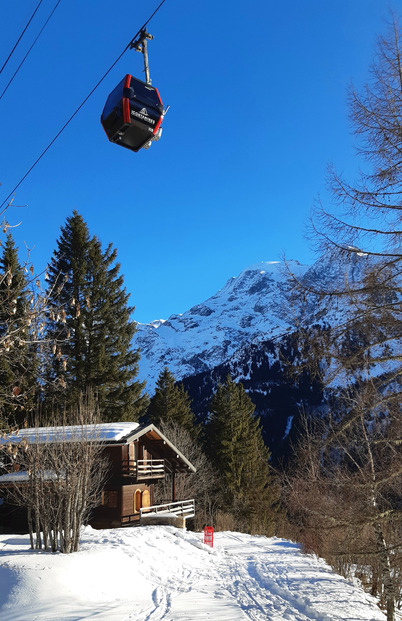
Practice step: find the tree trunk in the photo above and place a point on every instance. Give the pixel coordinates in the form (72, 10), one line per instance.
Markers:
(388, 583)
(30, 527)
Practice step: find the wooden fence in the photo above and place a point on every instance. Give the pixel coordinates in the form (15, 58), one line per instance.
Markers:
(144, 468)
(183, 508)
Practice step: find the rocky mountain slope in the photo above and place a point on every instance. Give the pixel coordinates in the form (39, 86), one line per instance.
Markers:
(249, 329)
(250, 308)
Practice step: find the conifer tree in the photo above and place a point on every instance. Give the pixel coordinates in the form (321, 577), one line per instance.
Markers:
(171, 404)
(17, 359)
(237, 448)
(93, 348)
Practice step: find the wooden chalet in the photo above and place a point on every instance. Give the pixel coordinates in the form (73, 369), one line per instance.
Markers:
(139, 456)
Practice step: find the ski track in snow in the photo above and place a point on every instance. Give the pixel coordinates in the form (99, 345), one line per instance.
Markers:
(261, 595)
(165, 574)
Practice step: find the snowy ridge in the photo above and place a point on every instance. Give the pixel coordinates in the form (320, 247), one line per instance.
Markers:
(159, 573)
(256, 306)
(249, 308)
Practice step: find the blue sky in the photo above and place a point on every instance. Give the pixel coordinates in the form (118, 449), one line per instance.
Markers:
(257, 91)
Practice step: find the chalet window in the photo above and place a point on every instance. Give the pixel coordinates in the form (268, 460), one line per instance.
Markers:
(110, 499)
(137, 500)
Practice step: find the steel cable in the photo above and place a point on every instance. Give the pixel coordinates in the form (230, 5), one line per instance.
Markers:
(78, 109)
(20, 37)
(30, 49)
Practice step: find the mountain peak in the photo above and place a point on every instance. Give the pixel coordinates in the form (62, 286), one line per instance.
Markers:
(249, 308)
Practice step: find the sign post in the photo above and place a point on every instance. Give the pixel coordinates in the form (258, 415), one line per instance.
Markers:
(209, 536)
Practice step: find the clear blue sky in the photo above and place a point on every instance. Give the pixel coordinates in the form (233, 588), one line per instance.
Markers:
(257, 91)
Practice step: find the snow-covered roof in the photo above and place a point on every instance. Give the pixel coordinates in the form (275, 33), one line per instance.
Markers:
(102, 432)
(107, 433)
(22, 475)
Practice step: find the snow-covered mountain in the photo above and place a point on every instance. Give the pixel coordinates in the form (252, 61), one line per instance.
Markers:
(250, 308)
(248, 329)
(253, 307)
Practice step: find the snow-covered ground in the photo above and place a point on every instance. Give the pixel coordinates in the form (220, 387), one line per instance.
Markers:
(159, 573)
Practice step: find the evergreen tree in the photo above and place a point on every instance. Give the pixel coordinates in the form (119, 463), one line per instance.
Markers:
(171, 404)
(90, 325)
(17, 359)
(237, 448)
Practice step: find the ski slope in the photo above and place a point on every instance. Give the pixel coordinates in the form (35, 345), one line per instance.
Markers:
(159, 573)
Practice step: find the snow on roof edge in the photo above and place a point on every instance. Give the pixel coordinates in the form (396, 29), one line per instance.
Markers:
(103, 432)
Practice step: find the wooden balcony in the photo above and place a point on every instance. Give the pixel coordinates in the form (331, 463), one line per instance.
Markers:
(181, 508)
(143, 469)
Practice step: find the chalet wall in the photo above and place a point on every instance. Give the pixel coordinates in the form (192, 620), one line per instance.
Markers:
(133, 498)
(114, 455)
(122, 496)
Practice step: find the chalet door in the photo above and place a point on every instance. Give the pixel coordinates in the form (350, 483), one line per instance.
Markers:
(137, 501)
(145, 498)
(141, 499)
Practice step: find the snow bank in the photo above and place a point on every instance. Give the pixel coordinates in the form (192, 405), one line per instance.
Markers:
(166, 574)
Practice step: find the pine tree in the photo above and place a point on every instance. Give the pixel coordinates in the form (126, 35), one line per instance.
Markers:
(237, 448)
(171, 404)
(17, 359)
(90, 326)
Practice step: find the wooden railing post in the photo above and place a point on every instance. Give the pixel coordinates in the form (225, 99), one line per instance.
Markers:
(173, 485)
(142, 469)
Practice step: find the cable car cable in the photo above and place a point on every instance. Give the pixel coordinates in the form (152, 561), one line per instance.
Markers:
(20, 37)
(28, 52)
(79, 107)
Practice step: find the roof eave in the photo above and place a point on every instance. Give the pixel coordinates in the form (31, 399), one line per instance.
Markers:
(141, 431)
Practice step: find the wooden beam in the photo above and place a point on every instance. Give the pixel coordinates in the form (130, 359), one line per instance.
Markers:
(173, 485)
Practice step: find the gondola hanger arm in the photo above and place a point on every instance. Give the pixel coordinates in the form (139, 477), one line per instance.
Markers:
(140, 45)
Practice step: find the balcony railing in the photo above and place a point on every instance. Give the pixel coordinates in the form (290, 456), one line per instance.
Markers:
(184, 508)
(142, 469)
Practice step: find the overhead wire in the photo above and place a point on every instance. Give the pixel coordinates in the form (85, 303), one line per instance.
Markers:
(79, 107)
(30, 49)
(20, 37)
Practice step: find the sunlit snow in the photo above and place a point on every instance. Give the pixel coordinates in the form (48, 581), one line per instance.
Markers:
(100, 431)
(249, 308)
(159, 573)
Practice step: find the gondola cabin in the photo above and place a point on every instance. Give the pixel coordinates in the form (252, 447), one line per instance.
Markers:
(133, 114)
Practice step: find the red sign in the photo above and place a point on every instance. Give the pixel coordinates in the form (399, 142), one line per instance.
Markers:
(209, 536)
